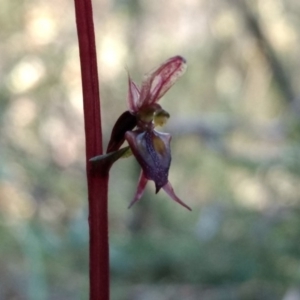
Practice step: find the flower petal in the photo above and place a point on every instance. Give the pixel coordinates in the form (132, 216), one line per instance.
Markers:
(140, 189)
(133, 95)
(158, 82)
(170, 191)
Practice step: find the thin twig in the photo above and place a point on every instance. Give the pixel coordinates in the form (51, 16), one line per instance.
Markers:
(281, 77)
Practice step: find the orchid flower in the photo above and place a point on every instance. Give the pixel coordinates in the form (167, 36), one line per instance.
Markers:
(150, 147)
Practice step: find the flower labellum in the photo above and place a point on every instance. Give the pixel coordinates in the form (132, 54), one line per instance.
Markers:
(150, 147)
(152, 150)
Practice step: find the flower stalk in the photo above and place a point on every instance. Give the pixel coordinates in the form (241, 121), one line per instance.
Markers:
(97, 182)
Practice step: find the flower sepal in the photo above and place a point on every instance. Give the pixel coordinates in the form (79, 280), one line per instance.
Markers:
(127, 121)
(167, 188)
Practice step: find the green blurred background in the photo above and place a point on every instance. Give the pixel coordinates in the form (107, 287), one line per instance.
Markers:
(236, 151)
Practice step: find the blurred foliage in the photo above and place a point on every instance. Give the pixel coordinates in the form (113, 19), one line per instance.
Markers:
(236, 149)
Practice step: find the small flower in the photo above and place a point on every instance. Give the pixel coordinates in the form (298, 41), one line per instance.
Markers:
(150, 147)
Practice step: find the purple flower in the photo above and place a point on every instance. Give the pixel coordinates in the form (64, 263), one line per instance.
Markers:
(150, 147)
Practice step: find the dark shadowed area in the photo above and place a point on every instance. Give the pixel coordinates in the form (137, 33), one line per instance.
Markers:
(235, 122)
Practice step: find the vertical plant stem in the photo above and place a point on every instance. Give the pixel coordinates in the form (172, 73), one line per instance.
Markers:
(97, 184)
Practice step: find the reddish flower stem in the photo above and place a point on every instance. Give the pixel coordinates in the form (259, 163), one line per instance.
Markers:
(97, 184)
